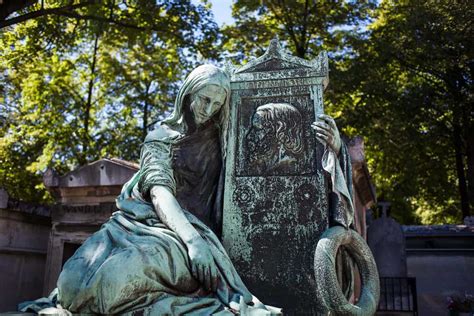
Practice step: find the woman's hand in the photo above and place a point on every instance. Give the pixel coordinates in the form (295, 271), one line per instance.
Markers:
(202, 263)
(203, 267)
(327, 132)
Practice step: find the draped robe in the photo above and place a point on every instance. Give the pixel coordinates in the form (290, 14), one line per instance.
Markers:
(135, 262)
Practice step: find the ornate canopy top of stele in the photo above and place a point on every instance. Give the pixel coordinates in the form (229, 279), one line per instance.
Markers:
(277, 63)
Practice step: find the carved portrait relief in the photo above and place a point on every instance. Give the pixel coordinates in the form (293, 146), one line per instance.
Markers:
(273, 136)
(275, 139)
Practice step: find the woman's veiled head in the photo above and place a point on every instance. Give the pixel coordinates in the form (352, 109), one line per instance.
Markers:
(202, 76)
(206, 102)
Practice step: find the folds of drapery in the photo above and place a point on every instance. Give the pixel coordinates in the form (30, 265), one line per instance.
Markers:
(340, 171)
(136, 262)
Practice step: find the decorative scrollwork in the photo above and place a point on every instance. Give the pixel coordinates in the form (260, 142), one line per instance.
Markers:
(305, 193)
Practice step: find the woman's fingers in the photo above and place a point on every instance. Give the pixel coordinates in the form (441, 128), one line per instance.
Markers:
(203, 267)
(322, 141)
(194, 271)
(322, 136)
(321, 125)
(205, 277)
(198, 273)
(328, 119)
(327, 132)
(323, 132)
(214, 278)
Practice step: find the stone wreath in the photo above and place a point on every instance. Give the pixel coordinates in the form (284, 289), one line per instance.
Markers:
(328, 287)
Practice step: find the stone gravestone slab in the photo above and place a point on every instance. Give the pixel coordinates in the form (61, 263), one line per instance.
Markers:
(3, 198)
(275, 201)
(387, 243)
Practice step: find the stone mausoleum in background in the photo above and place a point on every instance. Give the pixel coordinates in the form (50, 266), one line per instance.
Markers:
(420, 266)
(36, 241)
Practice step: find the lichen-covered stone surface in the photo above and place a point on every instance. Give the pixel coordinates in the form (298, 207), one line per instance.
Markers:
(275, 201)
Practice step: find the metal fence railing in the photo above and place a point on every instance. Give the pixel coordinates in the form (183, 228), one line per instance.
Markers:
(398, 295)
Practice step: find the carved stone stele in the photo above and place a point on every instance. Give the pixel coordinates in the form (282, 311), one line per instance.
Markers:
(275, 201)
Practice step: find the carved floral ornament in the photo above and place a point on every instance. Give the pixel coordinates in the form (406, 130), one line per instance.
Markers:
(244, 195)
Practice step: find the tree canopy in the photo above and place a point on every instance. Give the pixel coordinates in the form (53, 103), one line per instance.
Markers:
(82, 80)
(408, 91)
(86, 81)
(401, 77)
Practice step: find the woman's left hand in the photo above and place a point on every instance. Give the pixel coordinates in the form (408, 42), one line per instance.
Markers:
(203, 267)
(327, 132)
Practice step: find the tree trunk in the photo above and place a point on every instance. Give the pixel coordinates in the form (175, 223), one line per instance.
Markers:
(457, 140)
(470, 161)
(145, 113)
(461, 137)
(88, 105)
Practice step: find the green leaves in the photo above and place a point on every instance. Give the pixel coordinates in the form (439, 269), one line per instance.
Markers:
(401, 76)
(412, 77)
(87, 79)
(307, 27)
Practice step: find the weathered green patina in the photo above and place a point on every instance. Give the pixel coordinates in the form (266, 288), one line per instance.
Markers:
(157, 254)
(288, 188)
(288, 180)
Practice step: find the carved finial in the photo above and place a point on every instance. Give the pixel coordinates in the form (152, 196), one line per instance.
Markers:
(274, 48)
(321, 62)
(229, 68)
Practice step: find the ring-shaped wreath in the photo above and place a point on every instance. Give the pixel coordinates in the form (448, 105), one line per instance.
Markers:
(329, 291)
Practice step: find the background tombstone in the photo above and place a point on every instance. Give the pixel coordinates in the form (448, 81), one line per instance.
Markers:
(3, 198)
(387, 242)
(275, 198)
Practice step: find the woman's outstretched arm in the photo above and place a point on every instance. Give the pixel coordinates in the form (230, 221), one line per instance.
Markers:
(171, 214)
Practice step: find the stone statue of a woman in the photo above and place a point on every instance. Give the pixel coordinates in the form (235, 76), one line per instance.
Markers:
(159, 253)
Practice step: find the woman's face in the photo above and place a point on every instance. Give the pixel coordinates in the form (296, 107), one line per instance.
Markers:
(206, 102)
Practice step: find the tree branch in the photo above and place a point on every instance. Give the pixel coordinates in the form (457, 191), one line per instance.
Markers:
(7, 8)
(288, 25)
(421, 72)
(42, 12)
(304, 39)
(75, 15)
